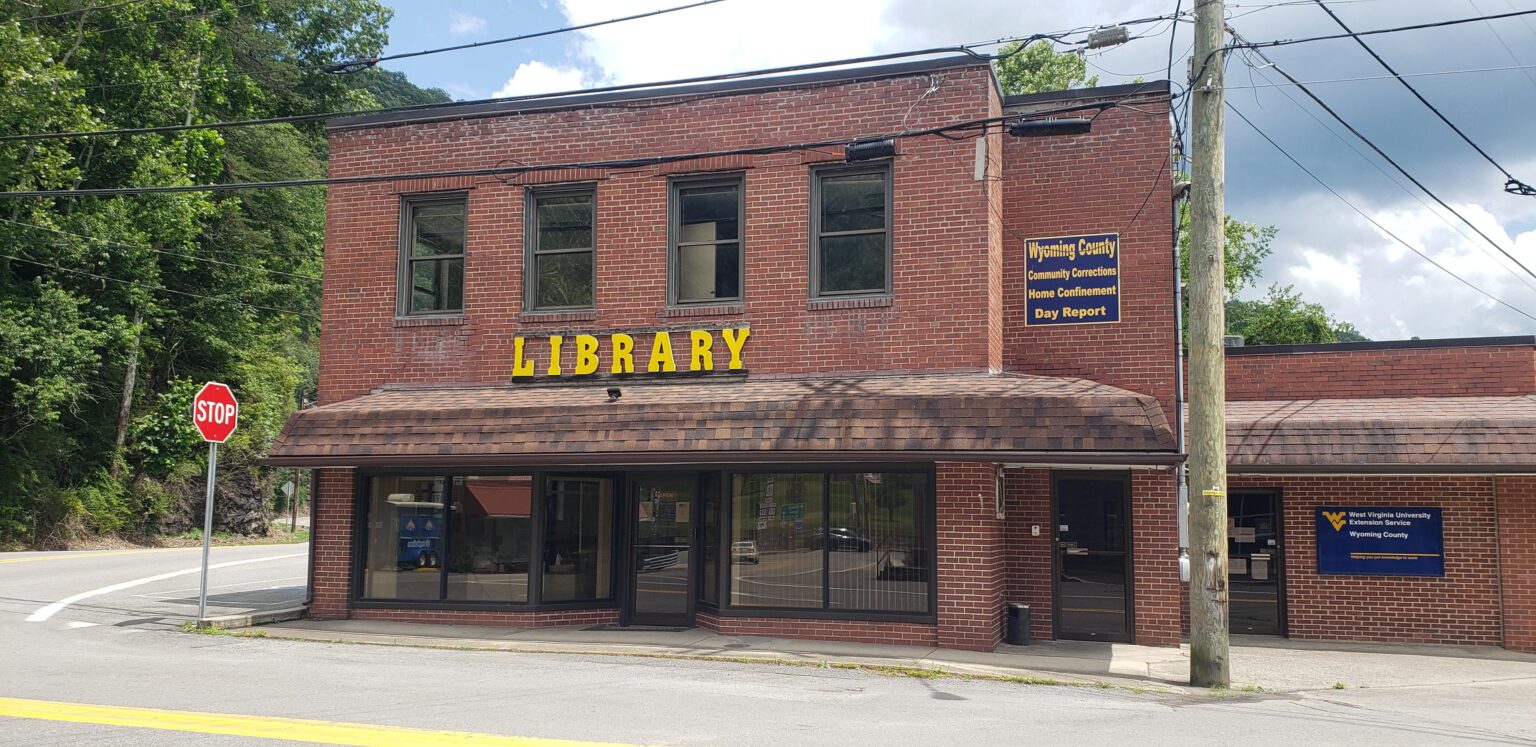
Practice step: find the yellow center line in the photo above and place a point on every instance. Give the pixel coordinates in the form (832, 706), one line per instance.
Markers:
(267, 727)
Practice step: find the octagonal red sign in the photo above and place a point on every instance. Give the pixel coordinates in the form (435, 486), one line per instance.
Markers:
(215, 412)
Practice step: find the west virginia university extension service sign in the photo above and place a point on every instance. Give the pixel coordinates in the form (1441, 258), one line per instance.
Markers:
(1375, 541)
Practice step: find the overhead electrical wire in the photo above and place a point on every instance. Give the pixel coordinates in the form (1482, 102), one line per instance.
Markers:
(78, 11)
(1431, 73)
(147, 286)
(166, 252)
(1512, 186)
(1399, 167)
(1373, 221)
(616, 164)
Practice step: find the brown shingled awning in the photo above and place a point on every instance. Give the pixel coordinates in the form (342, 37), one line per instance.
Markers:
(1385, 435)
(1001, 417)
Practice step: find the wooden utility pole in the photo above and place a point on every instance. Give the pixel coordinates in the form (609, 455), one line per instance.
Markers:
(1208, 641)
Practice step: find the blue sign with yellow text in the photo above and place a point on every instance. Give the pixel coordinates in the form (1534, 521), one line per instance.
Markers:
(1379, 541)
(1072, 279)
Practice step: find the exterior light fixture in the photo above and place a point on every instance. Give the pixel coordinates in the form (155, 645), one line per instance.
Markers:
(866, 150)
(1050, 127)
(614, 393)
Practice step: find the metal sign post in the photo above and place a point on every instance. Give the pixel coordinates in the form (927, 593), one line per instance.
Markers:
(215, 412)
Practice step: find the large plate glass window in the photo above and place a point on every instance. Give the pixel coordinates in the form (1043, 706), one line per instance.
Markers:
(578, 539)
(404, 550)
(432, 255)
(562, 239)
(851, 231)
(706, 240)
(490, 538)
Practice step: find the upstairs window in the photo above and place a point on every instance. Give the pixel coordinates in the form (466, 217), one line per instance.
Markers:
(560, 265)
(432, 255)
(706, 231)
(850, 231)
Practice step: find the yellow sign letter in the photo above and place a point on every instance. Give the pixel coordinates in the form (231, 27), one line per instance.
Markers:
(586, 355)
(661, 354)
(554, 354)
(623, 353)
(520, 365)
(735, 340)
(700, 359)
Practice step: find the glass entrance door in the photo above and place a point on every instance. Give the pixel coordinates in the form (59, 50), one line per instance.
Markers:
(1253, 563)
(662, 512)
(1092, 597)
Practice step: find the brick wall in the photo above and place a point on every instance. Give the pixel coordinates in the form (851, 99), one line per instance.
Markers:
(970, 555)
(1416, 372)
(942, 241)
(502, 618)
(1031, 567)
(1460, 608)
(1516, 498)
(331, 535)
(1113, 180)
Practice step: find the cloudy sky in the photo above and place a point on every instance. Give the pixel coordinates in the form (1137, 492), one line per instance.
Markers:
(1482, 75)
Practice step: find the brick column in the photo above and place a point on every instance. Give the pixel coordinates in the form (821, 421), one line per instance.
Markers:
(970, 557)
(1516, 531)
(1029, 558)
(331, 532)
(1155, 565)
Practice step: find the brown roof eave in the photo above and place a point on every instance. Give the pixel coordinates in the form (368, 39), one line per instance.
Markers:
(1113, 458)
(1382, 469)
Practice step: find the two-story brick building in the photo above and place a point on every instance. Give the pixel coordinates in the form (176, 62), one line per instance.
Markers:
(679, 357)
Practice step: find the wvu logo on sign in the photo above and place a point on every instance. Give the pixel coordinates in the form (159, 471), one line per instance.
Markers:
(1336, 518)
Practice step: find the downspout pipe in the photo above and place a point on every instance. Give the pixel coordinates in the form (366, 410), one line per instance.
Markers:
(1181, 474)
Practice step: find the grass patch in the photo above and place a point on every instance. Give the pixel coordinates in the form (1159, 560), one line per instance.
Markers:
(1338, 686)
(191, 626)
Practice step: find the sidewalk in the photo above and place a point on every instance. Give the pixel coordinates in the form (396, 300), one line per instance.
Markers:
(1275, 665)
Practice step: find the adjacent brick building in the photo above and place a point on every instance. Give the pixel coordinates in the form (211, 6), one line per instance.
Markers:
(679, 357)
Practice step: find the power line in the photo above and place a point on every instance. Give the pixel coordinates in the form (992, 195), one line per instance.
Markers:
(146, 286)
(109, 242)
(1465, 71)
(1505, 44)
(1513, 185)
(1395, 181)
(367, 62)
(78, 11)
(1373, 221)
(520, 168)
(1357, 133)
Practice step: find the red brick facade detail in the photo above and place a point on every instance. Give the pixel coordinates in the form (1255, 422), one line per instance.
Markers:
(971, 556)
(1088, 184)
(1156, 593)
(505, 618)
(1417, 372)
(851, 631)
(331, 540)
(1463, 607)
(1516, 500)
(1030, 559)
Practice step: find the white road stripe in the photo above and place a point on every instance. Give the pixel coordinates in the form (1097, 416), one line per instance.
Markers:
(46, 612)
(276, 583)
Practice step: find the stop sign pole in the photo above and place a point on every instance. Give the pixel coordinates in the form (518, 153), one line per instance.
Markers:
(215, 412)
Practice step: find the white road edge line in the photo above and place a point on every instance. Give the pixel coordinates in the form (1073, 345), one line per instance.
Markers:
(42, 614)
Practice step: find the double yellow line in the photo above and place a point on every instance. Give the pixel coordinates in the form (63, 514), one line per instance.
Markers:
(266, 727)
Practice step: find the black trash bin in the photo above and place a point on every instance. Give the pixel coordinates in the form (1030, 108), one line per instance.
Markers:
(1018, 624)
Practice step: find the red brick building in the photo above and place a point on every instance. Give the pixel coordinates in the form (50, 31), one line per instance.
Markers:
(679, 357)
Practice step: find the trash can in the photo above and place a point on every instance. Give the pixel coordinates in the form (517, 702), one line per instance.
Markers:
(1018, 624)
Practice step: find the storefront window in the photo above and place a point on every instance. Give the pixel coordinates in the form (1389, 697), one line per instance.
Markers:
(405, 538)
(776, 526)
(490, 538)
(578, 539)
(878, 557)
(710, 563)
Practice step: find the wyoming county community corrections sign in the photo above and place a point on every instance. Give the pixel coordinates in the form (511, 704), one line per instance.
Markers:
(1072, 279)
(1378, 541)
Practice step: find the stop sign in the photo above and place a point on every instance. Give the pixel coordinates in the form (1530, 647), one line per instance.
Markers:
(214, 411)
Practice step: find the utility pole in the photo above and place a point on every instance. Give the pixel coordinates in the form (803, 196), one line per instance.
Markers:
(1208, 641)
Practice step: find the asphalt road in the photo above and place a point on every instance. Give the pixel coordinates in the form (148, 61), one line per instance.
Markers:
(121, 650)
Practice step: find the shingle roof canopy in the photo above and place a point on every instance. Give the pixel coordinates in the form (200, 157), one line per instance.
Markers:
(998, 417)
(1404, 434)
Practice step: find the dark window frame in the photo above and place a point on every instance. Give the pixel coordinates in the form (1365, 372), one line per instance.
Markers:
(531, 250)
(675, 186)
(404, 283)
(929, 514)
(818, 175)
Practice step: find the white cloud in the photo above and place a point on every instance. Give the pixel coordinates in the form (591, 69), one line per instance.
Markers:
(1322, 271)
(464, 23)
(537, 77)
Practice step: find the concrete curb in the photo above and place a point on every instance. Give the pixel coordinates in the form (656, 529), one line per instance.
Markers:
(251, 619)
(895, 665)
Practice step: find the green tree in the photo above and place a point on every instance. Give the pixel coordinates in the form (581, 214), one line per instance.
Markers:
(1038, 67)
(1282, 317)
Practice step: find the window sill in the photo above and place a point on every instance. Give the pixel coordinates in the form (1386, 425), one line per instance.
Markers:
(454, 320)
(861, 302)
(714, 309)
(581, 315)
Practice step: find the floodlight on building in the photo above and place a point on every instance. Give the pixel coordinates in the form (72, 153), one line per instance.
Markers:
(867, 150)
